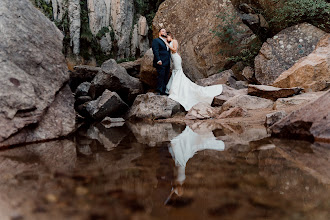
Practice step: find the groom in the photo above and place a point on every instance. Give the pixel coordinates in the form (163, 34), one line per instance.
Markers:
(162, 59)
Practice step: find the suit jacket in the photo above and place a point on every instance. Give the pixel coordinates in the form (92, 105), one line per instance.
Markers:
(160, 52)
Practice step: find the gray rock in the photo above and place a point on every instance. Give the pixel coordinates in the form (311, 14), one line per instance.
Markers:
(248, 73)
(74, 19)
(82, 89)
(237, 70)
(115, 78)
(201, 110)
(226, 94)
(241, 85)
(151, 106)
(108, 104)
(274, 117)
(58, 121)
(248, 102)
(140, 40)
(272, 93)
(283, 50)
(32, 65)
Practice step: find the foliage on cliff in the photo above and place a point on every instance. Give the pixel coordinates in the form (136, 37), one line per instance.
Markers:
(315, 12)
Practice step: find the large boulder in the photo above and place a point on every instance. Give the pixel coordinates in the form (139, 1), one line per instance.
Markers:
(279, 53)
(247, 102)
(115, 78)
(310, 122)
(57, 121)
(32, 66)
(148, 73)
(108, 104)
(151, 106)
(272, 93)
(311, 72)
(191, 21)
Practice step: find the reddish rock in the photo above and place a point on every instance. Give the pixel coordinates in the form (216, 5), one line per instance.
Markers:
(272, 93)
(201, 111)
(234, 113)
(311, 72)
(311, 122)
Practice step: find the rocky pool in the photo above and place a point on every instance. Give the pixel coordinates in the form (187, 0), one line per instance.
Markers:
(166, 171)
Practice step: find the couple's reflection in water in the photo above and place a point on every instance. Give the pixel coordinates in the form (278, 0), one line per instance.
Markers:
(185, 146)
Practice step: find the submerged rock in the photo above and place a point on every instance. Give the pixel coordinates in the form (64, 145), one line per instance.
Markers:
(282, 51)
(32, 68)
(108, 104)
(311, 72)
(112, 122)
(151, 106)
(309, 122)
(272, 93)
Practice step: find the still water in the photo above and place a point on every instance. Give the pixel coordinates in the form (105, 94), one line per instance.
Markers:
(166, 171)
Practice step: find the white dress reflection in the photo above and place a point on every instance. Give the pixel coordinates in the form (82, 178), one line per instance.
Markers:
(184, 147)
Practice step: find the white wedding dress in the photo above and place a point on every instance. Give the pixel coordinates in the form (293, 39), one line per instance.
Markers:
(181, 89)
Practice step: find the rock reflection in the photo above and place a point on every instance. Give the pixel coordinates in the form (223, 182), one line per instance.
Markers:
(185, 146)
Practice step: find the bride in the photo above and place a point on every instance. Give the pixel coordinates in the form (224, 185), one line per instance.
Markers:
(180, 88)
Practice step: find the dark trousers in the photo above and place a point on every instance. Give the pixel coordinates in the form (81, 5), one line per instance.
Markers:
(163, 73)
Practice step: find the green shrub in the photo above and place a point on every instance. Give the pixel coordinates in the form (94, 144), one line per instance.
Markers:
(45, 7)
(229, 33)
(316, 12)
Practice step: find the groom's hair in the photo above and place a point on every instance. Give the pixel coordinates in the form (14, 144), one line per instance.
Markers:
(160, 29)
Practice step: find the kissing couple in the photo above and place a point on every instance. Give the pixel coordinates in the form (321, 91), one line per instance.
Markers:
(179, 87)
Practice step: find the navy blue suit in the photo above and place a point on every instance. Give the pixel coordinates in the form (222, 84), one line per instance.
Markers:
(161, 53)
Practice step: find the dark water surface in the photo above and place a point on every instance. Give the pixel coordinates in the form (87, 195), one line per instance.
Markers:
(166, 171)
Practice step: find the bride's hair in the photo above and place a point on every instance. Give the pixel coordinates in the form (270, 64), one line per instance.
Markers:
(170, 34)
